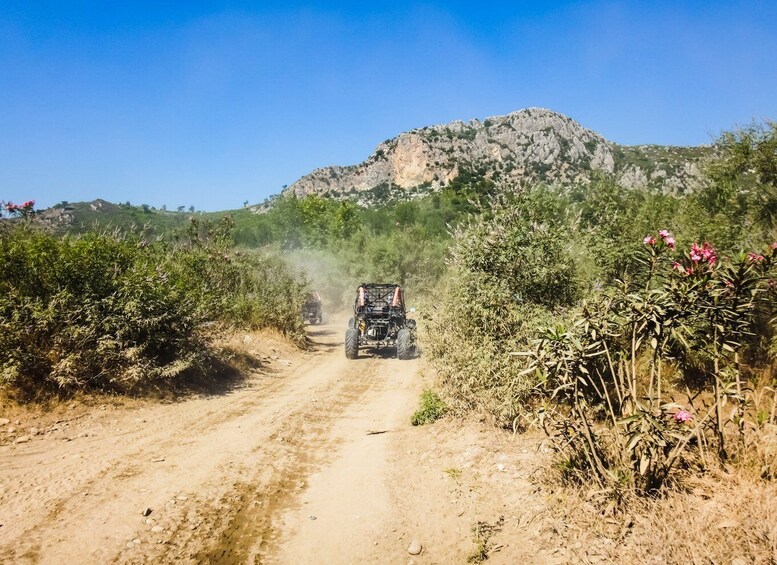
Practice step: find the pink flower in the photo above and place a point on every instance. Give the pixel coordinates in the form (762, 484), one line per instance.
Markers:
(683, 416)
(729, 284)
(667, 237)
(754, 258)
(10, 206)
(774, 245)
(705, 253)
(695, 253)
(29, 204)
(649, 240)
(709, 253)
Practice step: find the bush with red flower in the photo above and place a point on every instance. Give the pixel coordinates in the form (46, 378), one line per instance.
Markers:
(25, 210)
(691, 314)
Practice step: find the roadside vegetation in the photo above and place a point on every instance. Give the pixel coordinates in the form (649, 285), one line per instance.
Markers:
(112, 312)
(430, 409)
(637, 331)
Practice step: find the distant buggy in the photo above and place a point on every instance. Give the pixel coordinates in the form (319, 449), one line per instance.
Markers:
(379, 320)
(311, 310)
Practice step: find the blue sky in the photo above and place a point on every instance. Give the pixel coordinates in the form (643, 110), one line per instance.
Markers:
(213, 103)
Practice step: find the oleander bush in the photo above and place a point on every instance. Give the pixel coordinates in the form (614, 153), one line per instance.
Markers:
(655, 375)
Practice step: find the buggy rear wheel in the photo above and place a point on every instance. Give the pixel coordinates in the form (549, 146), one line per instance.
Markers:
(404, 344)
(352, 343)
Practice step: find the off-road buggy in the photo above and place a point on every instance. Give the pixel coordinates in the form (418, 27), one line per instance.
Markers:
(311, 310)
(379, 320)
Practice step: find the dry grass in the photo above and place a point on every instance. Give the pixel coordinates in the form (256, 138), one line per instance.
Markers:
(719, 519)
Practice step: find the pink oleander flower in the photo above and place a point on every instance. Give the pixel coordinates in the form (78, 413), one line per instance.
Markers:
(774, 245)
(29, 204)
(663, 233)
(754, 257)
(676, 266)
(705, 253)
(670, 242)
(9, 206)
(649, 240)
(695, 253)
(708, 253)
(683, 416)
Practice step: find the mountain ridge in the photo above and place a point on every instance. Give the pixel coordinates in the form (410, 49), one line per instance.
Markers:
(526, 146)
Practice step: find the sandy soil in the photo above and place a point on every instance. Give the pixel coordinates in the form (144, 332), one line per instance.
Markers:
(310, 459)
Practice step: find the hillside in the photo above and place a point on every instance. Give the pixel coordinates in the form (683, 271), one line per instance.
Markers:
(526, 146)
(79, 217)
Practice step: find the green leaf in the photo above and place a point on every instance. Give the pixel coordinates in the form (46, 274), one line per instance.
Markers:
(634, 440)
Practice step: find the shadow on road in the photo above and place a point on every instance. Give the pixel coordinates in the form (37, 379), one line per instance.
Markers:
(325, 338)
(329, 338)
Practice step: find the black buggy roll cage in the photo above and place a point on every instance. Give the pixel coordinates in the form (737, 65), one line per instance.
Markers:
(379, 301)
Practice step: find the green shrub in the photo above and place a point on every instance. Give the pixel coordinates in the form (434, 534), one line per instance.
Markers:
(510, 270)
(87, 312)
(430, 409)
(111, 312)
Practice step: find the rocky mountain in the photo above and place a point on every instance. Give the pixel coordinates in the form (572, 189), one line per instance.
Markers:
(531, 145)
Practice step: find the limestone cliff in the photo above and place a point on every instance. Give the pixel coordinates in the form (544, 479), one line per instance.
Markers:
(531, 145)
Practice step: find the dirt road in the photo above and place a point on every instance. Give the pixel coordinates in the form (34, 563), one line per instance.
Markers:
(310, 460)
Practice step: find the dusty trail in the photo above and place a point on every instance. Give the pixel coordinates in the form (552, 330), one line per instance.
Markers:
(314, 463)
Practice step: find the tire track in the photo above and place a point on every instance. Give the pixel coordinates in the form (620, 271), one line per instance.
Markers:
(249, 532)
(82, 500)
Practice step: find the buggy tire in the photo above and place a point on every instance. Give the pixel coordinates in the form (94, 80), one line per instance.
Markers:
(352, 323)
(404, 344)
(352, 343)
